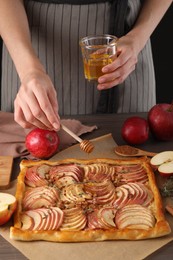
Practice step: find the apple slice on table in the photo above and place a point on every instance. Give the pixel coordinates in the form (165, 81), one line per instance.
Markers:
(8, 205)
(166, 169)
(163, 162)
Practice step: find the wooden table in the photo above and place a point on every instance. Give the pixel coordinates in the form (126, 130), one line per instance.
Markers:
(106, 123)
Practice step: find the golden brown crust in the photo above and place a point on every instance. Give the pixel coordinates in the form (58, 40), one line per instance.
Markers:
(161, 227)
(29, 163)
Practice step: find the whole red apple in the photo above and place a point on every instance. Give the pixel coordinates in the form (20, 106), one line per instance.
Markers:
(42, 143)
(160, 119)
(135, 130)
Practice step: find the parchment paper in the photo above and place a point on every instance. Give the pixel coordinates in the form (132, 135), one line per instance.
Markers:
(108, 250)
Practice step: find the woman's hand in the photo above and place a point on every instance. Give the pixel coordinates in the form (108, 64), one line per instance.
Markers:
(36, 102)
(116, 72)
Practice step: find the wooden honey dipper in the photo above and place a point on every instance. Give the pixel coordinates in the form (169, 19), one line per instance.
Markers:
(85, 145)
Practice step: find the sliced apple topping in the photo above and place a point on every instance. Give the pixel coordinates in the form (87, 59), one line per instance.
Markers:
(40, 197)
(63, 181)
(99, 172)
(66, 174)
(74, 219)
(27, 222)
(70, 197)
(93, 222)
(130, 173)
(102, 192)
(43, 170)
(42, 219)
(107, 217)
(134, 216)
(34, 178)
(133, 193)
(128, 168)
(74, 193)
(102, 218)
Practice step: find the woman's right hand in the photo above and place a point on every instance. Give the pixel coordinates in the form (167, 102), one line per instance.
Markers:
(36, 103)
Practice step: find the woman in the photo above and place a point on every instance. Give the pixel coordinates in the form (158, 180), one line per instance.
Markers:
(42, 38)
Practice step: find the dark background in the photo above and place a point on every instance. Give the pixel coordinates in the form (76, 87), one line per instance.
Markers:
(162, 45)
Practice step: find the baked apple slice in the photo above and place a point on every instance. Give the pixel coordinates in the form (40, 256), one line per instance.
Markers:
(27, 222)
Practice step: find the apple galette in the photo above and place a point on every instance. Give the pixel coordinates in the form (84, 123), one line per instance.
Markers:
(88, 200)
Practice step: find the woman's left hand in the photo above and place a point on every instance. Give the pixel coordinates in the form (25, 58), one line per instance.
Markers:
(116, 72)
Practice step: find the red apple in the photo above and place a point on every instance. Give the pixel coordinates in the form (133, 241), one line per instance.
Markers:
(42, 143)
(160, 119)
(8, 205)
(135, 130)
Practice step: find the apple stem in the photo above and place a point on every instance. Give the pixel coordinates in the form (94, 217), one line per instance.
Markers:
(170, 109)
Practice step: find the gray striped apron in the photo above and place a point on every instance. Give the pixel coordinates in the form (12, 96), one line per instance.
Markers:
(55, 33)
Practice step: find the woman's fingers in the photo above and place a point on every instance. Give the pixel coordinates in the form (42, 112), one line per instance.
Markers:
(48, 105)
(28, 118)
(116, 77)
(36, 103)
(125, 62)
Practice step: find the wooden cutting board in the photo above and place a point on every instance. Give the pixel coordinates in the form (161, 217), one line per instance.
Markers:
(6, 163)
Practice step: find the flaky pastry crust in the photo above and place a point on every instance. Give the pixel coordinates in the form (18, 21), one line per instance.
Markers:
(161, 227)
